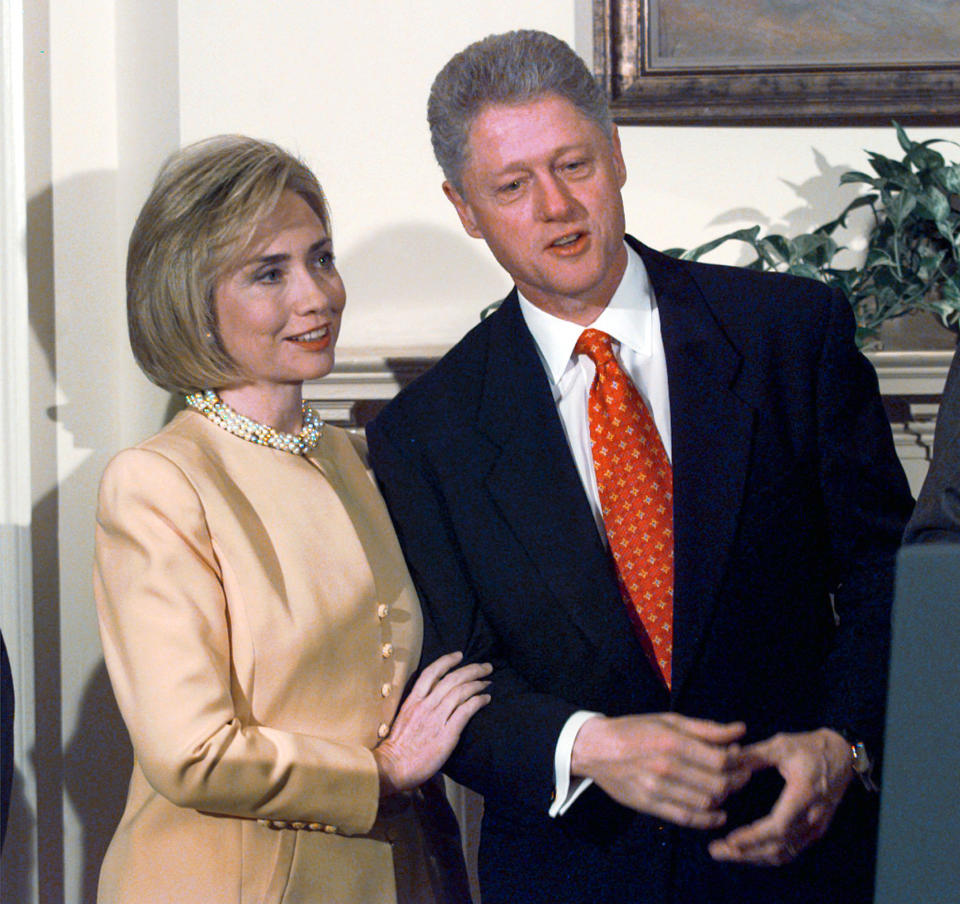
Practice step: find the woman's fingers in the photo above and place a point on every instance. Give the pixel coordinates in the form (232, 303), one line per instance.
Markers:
(440, 677)
(429, 722)
(457, 697)
(456, 679)
(433, 672)
(464, 713)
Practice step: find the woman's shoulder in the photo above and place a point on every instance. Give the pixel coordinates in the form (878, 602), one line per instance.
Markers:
(179, 448)
(343, 444)
(188, 440)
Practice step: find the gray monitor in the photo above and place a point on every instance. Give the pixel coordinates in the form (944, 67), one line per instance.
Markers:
(919, 852)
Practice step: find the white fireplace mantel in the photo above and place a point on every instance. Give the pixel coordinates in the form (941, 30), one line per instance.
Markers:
(910, 383)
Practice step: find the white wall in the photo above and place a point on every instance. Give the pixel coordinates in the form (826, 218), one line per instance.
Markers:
(111, 87)
(412, 276)
(311, 78)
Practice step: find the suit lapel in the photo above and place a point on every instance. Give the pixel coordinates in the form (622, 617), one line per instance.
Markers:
(712, 421)
(535, 485)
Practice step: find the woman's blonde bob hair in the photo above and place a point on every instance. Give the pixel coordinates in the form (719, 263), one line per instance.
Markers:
(200, 218)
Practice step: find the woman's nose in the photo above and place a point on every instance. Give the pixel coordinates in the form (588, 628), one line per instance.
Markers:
(318, 292)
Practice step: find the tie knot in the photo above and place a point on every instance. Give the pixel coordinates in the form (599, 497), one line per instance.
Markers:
(595, 344)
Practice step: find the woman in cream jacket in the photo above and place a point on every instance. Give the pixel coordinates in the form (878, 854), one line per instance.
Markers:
(258, 621)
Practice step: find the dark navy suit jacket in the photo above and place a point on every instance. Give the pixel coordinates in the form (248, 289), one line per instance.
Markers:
(789, 505)
(936, 518)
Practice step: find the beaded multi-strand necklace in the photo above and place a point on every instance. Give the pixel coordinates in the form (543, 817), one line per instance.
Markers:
(212, 407)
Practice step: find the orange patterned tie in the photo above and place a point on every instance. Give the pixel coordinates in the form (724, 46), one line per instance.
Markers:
(635, 482)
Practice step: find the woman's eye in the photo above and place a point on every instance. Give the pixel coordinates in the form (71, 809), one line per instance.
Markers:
(273, 275)
(510, 187)
(325, 260)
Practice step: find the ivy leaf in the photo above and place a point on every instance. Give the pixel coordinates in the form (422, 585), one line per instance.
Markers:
(912, 259)
(933, 205)
(894, 171)
(948, 178)
(899, 207)
(743, 235)
(857, 176)
(774, 249)
(815, 247)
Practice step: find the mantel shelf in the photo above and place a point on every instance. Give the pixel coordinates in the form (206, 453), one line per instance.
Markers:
(363, 380)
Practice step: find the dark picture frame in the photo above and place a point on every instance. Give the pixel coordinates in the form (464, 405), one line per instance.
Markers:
(857, 93)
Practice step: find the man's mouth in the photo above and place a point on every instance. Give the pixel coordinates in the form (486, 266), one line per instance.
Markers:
(569, 243)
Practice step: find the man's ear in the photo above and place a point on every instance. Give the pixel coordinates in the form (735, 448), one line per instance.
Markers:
(464, 211)
(619, 166)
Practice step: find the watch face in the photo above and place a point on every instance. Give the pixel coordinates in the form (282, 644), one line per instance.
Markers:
(863, 765)
(861, 761)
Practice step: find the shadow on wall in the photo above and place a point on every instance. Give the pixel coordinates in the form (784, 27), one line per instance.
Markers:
(16, 865)
(415, 284)
(98, 760)
(822, 197)
(74, 384)
(46, 757)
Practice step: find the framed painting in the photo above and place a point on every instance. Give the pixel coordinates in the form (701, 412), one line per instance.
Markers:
(780, 62)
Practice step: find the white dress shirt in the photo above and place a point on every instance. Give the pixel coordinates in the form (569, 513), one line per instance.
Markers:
(632, 320)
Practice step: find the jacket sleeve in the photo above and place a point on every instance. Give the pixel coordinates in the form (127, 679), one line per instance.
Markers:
(506, 752)
(936, 518)
(867, 503)
(165, 630)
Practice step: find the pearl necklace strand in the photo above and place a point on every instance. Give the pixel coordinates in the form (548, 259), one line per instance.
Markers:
(214, 409)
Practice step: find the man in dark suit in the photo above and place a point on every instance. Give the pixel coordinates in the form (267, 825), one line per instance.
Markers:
(680, 639)
(936, 518)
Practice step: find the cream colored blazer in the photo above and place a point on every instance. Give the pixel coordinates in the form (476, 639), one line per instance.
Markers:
(258, 624)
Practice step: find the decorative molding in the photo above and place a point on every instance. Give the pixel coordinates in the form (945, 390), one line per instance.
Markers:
(919, 373)
(910, 382)
(363, 381)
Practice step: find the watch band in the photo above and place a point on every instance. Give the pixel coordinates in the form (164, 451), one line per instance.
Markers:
(862, 761)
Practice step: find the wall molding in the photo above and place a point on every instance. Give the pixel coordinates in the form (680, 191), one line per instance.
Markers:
(918, 373)
(363, 380)
(378, 374)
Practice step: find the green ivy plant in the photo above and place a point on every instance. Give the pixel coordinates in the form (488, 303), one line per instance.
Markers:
(912, 260)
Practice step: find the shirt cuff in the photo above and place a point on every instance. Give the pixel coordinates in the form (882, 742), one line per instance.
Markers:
(567, 790)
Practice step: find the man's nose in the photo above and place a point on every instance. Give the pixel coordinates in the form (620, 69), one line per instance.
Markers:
(554, 199)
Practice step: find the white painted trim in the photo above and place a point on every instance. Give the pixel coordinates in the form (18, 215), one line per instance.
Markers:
(361, 376)
(16, 589)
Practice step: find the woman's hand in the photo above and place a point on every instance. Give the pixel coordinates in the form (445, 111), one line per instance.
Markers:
(428, 725)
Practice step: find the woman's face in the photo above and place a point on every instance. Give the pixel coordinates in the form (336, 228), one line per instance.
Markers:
(278, 312)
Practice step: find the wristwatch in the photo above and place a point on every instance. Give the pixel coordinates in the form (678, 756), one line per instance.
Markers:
(862, 761)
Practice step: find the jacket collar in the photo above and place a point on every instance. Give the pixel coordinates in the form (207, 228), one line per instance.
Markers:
(534, 481)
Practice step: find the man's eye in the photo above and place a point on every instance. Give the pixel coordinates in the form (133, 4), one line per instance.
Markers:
(325, 260)
(511, 186)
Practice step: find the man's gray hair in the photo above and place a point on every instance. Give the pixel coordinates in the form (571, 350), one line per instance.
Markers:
(512, 68)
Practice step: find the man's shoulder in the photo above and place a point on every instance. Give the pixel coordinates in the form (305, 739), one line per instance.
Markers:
(722, 279)
(748, 304)
(451, 388)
